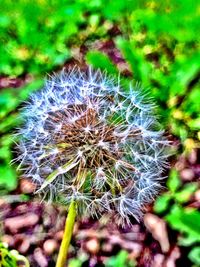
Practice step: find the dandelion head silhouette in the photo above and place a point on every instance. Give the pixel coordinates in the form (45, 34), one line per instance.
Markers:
(85, 137)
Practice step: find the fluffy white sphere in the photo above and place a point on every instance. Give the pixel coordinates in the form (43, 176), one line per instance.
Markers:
(87, 138)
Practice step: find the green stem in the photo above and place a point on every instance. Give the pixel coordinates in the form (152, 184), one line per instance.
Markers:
(69, 226)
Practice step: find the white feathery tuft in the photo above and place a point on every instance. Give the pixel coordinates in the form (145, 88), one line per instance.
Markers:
(86, 138)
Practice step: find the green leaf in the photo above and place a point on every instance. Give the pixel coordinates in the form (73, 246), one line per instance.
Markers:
(130, 56)
(140, 67)
(162, 203)
(102, 61)
(184, 194)
(9, 122)
(194, 124)
(75, 263)
(194, 255)
(183, 72)
(120, 260)
(173, 182)
(10, 98)
(191, 104)
(185, 220)
(8, 178)
(10, 258)
(187, 240)
(78, 262)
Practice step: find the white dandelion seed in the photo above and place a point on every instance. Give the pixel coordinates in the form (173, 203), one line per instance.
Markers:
(86, 138)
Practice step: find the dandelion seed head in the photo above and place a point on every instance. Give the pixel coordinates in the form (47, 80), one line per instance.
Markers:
(87, 138)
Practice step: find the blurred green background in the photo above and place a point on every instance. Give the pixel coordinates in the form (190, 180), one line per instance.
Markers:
(153, 42)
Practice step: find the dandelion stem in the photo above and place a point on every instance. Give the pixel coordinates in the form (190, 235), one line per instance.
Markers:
(69, 226)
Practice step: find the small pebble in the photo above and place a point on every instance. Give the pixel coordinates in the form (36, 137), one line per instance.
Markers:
(50, 246)
(93, 246)
(187, 174)
(22, 243)
(8, 239)
(193, 156)
(107, 247)
(158, 260)
(197, 195)
(133, 247)
(40, 257)
(157, 227)
(18, 222)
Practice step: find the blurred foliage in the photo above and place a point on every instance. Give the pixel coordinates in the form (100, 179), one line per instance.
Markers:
(185, 220)
(176, 193)
(34, 34)
(119, 260)
(159, 42)
(10, 99)
(194, 255)
(11, 258)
